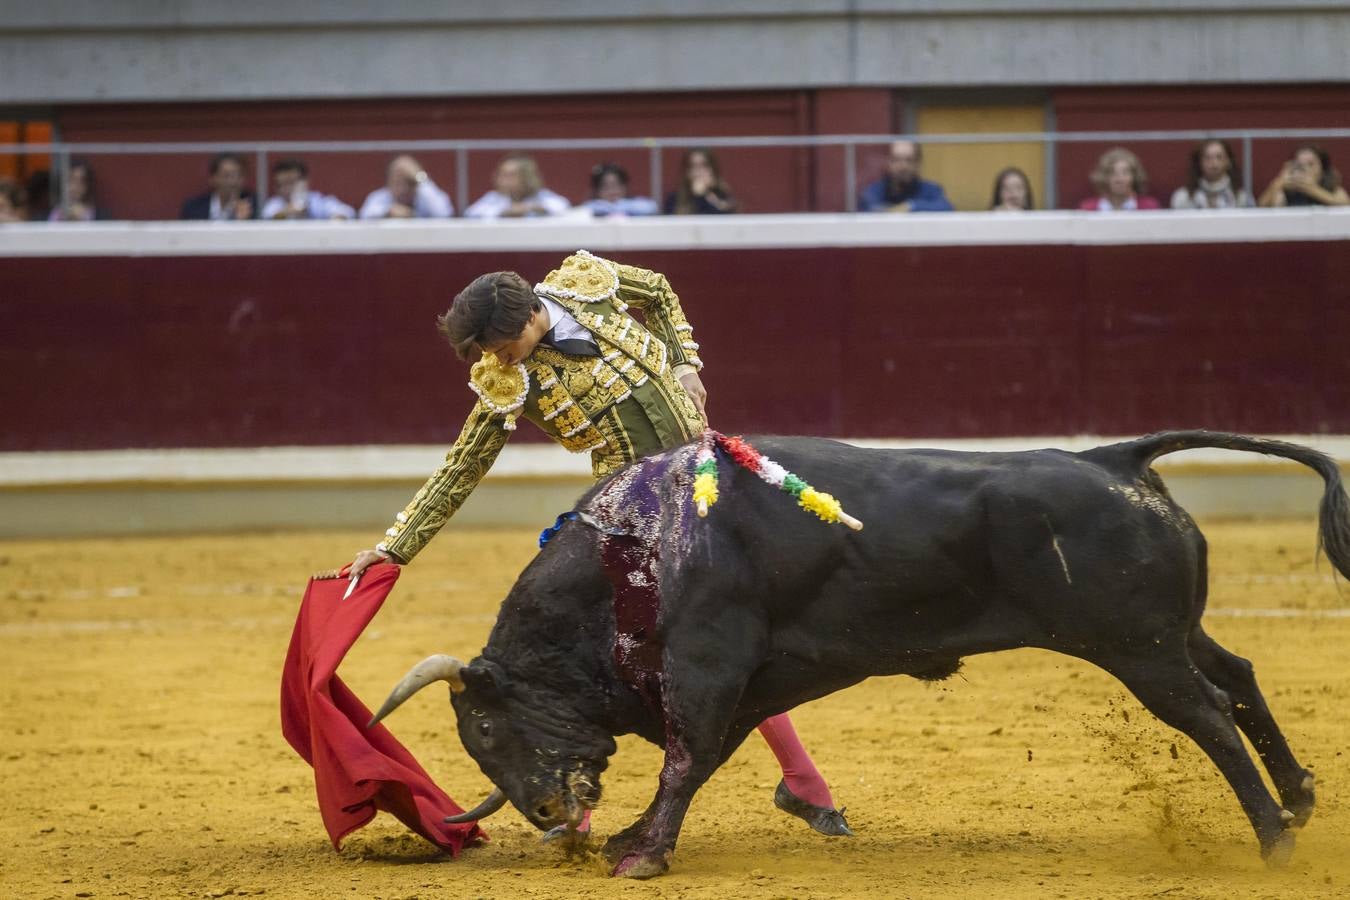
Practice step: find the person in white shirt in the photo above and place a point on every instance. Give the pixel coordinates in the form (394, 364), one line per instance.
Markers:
(295, 200)
(1214, 181)
(518, 191)
(609, 194)
(409, 193)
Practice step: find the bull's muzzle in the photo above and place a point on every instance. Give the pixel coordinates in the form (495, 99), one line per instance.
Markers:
(434, 668)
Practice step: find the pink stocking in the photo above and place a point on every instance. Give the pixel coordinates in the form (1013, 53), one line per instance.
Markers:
(798, 771)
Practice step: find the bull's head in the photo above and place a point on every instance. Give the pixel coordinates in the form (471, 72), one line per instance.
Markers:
(542, 758)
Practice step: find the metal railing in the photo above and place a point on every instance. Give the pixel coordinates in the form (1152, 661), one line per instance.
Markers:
(63, 152)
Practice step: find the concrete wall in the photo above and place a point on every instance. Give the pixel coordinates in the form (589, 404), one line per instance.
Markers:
(69, 51)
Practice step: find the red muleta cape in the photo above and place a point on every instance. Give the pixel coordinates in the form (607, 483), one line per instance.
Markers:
(357, 770)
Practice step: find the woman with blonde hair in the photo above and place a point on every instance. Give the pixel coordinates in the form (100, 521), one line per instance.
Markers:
(1120, 182)
(518, 191)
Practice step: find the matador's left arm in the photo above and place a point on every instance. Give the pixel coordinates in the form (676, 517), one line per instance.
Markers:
(650, 292)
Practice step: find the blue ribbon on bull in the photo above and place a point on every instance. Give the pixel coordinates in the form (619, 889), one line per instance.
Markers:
(548, 533)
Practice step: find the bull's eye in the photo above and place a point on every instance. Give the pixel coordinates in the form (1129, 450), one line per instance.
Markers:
(485, 729)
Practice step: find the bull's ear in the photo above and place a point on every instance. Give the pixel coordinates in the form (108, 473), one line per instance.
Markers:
(483, 678)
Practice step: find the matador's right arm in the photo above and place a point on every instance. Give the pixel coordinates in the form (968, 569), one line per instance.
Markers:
(435, 502)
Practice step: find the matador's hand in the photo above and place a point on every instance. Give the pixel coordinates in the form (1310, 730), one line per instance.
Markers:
(364, 559)
(693, 386)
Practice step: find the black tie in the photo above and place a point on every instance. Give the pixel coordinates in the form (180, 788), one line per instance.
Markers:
(571, 346)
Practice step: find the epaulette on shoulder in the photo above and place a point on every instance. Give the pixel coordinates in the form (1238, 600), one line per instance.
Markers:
(582, 277)
(501, 388)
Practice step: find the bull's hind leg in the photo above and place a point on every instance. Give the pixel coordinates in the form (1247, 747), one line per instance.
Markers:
(1178, 694)
(1234, 676)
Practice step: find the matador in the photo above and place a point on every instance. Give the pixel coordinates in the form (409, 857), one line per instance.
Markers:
(569, 355)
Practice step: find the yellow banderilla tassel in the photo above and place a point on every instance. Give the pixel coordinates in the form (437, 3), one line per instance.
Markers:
(822, 504)
(705, 492)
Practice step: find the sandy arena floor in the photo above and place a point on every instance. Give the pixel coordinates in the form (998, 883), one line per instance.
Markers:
(144, 758)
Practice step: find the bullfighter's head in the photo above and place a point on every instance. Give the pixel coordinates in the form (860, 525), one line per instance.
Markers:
(539, 755)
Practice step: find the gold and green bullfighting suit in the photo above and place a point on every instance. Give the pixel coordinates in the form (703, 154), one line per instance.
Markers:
(622, 405)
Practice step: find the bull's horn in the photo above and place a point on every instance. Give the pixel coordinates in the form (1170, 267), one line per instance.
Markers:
(434, 668)
(495, 801)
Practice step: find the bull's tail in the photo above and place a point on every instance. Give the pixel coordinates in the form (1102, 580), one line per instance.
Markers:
(1333, 535)
(739, 450)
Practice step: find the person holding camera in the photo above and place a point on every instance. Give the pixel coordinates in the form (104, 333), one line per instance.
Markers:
(1307, 179)
(295, 200)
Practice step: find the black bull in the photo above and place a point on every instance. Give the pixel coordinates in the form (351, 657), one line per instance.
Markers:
(763, 608)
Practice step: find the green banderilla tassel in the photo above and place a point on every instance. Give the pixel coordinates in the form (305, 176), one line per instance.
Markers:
(794, 485)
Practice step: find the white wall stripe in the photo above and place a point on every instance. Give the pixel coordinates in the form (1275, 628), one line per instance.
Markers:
(795, 230)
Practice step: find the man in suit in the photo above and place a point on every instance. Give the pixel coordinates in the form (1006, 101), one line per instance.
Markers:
(568, 355)
(227, 199)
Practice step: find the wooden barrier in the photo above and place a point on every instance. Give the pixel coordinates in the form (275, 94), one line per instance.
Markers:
(969, 325)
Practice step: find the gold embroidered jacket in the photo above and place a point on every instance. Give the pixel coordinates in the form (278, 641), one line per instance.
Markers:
(623, 405)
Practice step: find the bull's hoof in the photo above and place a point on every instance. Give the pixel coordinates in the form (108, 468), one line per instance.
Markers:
(821, 818)
(1302, 803)
(641, 865)
(620, 845)
(1278, 851)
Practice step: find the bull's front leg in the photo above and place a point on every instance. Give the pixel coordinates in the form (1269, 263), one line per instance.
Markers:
(645, 848)
(702, 687)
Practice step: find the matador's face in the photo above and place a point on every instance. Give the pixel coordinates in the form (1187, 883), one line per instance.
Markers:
(509, 353)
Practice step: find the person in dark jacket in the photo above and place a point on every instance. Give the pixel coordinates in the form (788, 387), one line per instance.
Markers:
(902, 190)
(702, 192)
(227, 199)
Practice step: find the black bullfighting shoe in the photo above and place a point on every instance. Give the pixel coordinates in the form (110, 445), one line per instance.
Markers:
(822, 819)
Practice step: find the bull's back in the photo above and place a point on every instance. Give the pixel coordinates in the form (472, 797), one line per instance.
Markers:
(960, 553)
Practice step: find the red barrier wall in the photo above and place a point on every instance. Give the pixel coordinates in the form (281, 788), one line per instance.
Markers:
(921, 341)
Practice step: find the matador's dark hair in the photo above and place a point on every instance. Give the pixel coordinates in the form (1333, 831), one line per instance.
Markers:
(494, 308)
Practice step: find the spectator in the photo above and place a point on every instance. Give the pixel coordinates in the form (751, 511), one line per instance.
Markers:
(702, 192)
(901, 189)
(1012, 191)
(38, 189)
(1307, 179)
(227, 198)
(1121, 183)
(13, 202)
(518, 191)
(408, 193)
(1213, 181)
(294, 200)
(80, 204)
(609, 194)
